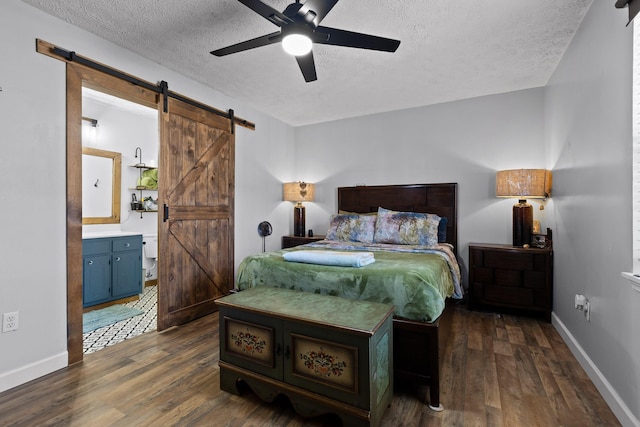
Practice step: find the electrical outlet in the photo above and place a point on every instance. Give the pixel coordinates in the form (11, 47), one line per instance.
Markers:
(10, 321)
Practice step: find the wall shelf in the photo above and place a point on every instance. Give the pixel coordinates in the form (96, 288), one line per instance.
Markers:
(140, 188)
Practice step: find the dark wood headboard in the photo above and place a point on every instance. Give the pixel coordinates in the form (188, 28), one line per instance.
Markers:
(439, 199)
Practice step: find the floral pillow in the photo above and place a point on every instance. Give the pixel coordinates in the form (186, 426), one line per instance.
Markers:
(352, 228)
(406, 228)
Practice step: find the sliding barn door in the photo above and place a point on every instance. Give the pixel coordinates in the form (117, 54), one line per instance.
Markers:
(195, 218)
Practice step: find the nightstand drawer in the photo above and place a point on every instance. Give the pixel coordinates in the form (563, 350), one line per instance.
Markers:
(508, 295)
(482, 274)
(510, 260)
(535, 279)
(510, 278)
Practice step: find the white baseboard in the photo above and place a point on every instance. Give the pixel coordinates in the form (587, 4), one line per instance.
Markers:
(32, 371)
(617, 405)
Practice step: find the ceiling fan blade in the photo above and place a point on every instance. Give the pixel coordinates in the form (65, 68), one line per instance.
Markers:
(249, 44)
(307, 66)
(352, 39)
(319, 7)
(267, 12)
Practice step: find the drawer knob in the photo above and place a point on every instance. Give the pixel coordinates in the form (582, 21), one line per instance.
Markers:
(90, 262)
(117, 258)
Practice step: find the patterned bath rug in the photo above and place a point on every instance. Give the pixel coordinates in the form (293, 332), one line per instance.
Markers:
(96, 319)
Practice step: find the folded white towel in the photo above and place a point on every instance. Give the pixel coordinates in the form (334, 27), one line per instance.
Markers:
(337, 258)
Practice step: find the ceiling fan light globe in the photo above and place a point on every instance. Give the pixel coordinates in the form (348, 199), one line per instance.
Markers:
(296, 44)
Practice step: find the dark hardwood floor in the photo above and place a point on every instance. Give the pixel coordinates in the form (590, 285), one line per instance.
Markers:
(501, 371)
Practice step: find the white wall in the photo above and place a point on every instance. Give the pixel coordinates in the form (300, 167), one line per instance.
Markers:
(588, 117)
(32, 179)
(464, 141)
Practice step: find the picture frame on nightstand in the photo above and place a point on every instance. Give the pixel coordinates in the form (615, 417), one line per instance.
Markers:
(541, 241)
(538, 240)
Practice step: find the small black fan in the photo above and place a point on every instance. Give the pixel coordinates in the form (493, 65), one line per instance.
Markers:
(303, 19)
(264, 230)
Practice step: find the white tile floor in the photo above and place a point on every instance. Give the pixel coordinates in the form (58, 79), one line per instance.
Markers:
(125, 329)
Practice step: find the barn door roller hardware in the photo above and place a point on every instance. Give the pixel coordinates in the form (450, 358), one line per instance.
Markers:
(161, 88)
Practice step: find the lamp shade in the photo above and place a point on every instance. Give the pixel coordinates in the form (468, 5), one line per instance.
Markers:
(298, 192)
(524, 183)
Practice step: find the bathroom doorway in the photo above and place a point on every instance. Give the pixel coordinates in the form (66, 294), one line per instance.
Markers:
(129, 130)
(195, 236)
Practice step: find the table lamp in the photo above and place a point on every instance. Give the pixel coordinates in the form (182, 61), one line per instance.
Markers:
(523, 184)
(298, 192)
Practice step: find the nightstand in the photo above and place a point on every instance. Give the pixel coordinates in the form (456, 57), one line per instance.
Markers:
(509, 278)
(291, 241)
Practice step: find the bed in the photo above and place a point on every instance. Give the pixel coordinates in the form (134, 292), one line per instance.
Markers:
(417, 272)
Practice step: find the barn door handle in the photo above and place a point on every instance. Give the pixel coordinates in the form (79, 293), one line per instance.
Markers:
(166, 213)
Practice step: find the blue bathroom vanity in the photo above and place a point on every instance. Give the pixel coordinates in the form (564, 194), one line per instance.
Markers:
(111, 267)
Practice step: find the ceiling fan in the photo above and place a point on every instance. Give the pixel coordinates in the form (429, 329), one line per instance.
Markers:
(299, 29)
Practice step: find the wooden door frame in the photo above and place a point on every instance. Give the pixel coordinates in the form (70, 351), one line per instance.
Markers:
(103, 78)
(79, 76)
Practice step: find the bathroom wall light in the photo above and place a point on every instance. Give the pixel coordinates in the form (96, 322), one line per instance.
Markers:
(89, 131)
(92, 122)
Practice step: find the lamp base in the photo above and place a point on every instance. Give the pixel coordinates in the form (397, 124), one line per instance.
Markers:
(522, 223)
(298, 220)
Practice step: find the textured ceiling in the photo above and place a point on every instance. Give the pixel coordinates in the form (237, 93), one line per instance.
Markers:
(449, 50)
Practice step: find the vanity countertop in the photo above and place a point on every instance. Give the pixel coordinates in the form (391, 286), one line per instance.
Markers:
(101, 234)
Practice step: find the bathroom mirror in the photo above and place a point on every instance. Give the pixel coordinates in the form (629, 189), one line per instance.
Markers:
(101, 172)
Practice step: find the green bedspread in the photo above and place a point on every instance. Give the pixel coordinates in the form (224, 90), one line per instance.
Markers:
(416, 283)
